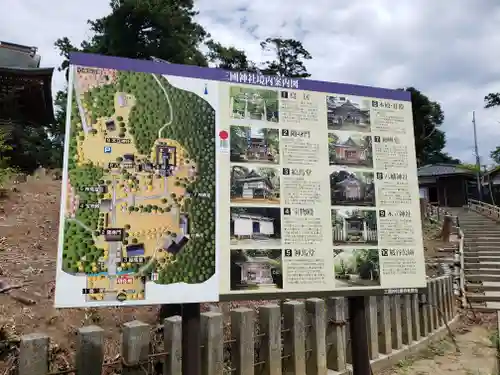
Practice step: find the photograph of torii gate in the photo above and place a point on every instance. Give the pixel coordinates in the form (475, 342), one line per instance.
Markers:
(254, 104)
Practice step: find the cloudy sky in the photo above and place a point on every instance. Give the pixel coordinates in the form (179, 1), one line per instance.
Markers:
(449, 49)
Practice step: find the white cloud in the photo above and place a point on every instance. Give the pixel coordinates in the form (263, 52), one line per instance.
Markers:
(448, 49)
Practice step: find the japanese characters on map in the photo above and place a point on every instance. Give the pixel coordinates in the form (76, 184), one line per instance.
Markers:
(322, 192)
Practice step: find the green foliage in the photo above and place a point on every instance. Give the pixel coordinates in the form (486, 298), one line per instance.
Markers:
(367, 263)
(78, 243)
(229, 58)
(429, 138)
(5, 170)
(101, 100)
(492, 100)
(289, 58)
(193, 123)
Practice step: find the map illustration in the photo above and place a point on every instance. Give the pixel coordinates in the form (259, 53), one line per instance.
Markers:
(140, 201)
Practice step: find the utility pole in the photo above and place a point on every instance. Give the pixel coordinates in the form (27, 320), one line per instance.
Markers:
(478, 159)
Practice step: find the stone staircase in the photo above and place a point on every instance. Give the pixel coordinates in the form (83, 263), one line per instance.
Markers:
(481, 255)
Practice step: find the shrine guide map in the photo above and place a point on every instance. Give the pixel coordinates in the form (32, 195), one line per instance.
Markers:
(185, 184)
(141, 181)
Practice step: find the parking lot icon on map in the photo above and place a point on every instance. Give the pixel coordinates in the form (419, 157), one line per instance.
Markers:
(107, 149)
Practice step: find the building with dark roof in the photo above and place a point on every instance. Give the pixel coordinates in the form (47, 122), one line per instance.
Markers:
(447, 185)
(491, 185)
(25, 88)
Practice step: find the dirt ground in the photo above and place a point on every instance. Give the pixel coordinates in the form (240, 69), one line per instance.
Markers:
(476, 356)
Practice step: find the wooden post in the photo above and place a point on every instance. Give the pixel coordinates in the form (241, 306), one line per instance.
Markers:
(294, 348)
(242, 331)
(316, 310)
(90, 351)
(359, 331)
(424, 315)
(34, 354)
(135, 347)
(385, 339)
(212, 338)
(371, 318)
(397, 332)
(270, 343)
(172, 338)
(406, 319)
(336, 334)
(191, 339)
(415, 316)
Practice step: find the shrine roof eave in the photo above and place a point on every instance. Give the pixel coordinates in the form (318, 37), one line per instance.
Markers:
(33, 106)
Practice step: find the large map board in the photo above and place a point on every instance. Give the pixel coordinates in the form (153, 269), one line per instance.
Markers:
(185, 184)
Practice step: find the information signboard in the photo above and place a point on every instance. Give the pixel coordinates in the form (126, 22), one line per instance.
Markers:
(185, 184)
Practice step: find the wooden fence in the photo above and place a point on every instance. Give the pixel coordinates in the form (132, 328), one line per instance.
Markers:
(485, 209)
(306, 337)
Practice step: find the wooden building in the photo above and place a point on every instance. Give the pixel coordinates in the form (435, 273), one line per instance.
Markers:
(447, 185)
(25, 88)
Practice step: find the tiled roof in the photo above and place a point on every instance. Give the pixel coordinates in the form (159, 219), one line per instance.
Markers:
(442, 170)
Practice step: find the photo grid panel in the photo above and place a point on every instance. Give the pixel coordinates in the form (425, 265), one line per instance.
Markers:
(255, 191)
(354, 222)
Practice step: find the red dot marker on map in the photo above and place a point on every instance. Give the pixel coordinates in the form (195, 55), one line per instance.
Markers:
(223, 135)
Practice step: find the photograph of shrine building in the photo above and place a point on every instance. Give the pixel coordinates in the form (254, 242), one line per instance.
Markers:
(255, 185)
(354, 226)
(346, 113)
(254, 145)
(254, 104)
(352, 188)
(350, 149)
(356, 268)
(255, 226)
(256, 269)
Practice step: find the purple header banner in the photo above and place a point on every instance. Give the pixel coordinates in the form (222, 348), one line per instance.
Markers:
(249, 78)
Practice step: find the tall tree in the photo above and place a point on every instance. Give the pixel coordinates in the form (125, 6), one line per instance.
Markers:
(492, 100)
(145, 28)
(430, 140)
(137, 29)
(495, 155)
(289, 58)
(229, 58)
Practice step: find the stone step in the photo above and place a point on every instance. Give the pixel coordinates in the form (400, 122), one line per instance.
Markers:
(482, 287)
(479, 225)
(482, 253)
(480, 258)
(481, 308)
(473, 297)
(482, 271)
(474, 239)
(482, 278)
(483, 265)
(480, 232)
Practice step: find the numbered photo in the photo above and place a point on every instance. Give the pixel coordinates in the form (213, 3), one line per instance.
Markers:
(356, 268)
(352, 188)
(254, 145)
(255, 185)
(350, 149)
(254, 104)
(256, 269)
(348, 113)
(354, 226)
(255, 226)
